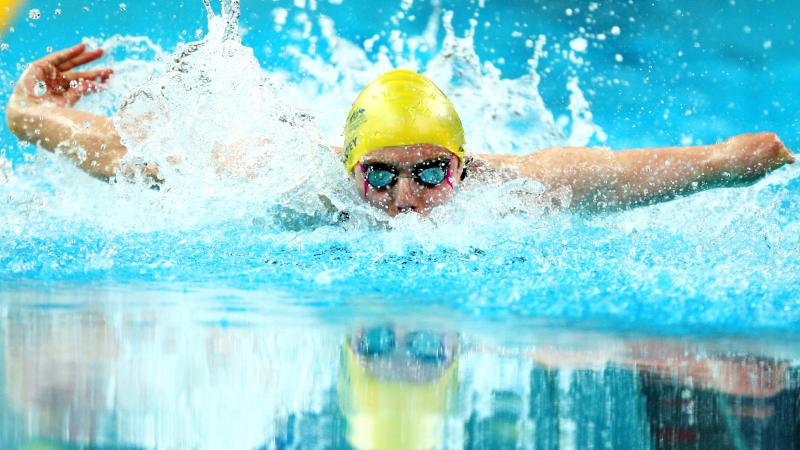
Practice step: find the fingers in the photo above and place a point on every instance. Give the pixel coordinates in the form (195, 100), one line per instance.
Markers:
(80, 59)
(77, 84)
(100, 74)
(79, 87)
(64, 55)
(72, 57)
(88, 86)
(71, 96)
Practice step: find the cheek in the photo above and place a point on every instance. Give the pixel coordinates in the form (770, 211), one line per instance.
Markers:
(376, 197)
(438, 195)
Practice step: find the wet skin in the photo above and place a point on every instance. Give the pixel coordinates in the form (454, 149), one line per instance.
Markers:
(406, 195)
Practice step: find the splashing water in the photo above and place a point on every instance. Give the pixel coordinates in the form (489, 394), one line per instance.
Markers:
(232, 143)
(40, 88)
(253, 195)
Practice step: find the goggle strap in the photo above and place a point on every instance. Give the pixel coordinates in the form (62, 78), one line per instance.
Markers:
(364, 172)
(449, 174)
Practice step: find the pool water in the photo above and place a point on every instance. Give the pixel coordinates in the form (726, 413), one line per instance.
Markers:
(219, 313)
(215, 368)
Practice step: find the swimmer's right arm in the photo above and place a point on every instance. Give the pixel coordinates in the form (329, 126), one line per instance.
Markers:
(40, 112)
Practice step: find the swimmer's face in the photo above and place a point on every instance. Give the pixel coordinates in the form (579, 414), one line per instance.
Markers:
(407, 194)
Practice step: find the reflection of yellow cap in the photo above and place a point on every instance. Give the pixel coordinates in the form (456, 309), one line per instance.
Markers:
(393, 415)
(401, 108)
(39, 445)
(7, 11)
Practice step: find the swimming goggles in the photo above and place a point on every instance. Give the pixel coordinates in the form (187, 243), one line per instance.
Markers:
(423, 346)
(427, 173)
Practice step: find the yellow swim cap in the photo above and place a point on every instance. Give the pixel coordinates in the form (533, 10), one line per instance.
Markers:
(401, 108)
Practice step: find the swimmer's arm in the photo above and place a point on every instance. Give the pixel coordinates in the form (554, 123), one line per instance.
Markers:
(40, 112)
(90, 142)
(652, 175)
(600, 179)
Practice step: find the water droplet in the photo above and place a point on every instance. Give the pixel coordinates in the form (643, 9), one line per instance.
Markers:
(3, 47)
(87, 124)
(618, 57)
(40, 88)
(615, 30)
(34, 14)
(73, 84)
(279, 16)
(579, 44)
(123, 7)
(57, 11)
(49, 49)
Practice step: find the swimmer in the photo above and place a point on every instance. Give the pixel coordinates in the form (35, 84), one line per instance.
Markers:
(404, 146)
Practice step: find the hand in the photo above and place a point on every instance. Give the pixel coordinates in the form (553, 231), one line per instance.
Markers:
(53, 80)
(767, 145)
(751, 156)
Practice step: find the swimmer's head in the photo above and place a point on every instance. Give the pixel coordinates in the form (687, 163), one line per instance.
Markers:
(404, 144)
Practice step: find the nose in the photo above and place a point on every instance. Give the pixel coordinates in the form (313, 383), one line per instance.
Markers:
(405, 195)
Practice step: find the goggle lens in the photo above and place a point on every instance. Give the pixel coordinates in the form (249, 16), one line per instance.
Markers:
(432, 176)
(426, 347)
(377, 342)
(380, 179)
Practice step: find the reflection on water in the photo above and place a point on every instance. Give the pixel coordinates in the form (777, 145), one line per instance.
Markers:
(160, 371)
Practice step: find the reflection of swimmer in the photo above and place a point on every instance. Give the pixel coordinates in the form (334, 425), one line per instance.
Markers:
(396, 388)
(717, 401)
(691, 397)
(404, 146)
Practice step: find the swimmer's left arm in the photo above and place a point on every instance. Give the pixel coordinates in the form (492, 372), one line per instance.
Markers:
(601, 179)
(647, 176)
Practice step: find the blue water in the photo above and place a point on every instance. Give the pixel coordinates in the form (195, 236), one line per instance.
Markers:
(131, 318)
(730, 63)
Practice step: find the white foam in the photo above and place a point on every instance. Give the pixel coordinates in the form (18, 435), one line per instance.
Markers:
(236, 142)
